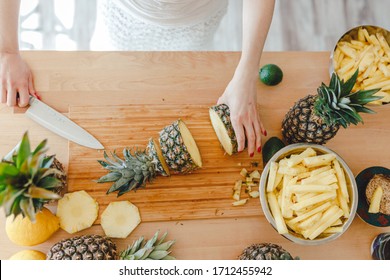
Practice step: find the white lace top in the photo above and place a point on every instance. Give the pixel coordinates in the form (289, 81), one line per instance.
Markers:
(161, 24)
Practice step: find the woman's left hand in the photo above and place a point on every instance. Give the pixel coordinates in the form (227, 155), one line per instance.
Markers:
(241, 97)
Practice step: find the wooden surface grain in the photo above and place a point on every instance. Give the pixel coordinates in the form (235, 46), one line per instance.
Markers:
(189, 78)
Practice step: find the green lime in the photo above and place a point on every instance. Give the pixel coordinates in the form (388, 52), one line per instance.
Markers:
(271, 74)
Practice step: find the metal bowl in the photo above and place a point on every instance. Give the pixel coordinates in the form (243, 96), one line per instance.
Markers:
(352, 34)
(351, 184)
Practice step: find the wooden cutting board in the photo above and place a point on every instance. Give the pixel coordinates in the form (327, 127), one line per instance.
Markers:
(206, 193)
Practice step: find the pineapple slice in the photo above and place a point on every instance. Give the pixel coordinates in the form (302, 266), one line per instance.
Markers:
(376, 200)
(120, 218)
(155, 153)
(77, 211)
(179, 148)
(220, 120)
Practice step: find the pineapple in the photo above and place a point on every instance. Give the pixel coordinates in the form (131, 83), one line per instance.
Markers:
(86, 247)
(177, 151)
(317, 118)
(265, 251)
(29, 180)
(120, 218)
(220, 120)
(96, 247)
(179, 148)
(77, 211)
(154, 151)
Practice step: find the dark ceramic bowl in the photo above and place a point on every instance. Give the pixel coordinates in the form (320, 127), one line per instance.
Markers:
(362, 179)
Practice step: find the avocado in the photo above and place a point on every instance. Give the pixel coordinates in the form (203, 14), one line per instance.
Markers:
(271, 147)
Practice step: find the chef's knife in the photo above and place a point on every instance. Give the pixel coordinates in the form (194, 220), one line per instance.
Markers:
(61, 125)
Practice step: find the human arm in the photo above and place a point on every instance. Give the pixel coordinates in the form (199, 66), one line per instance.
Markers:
(16, 78)
(241, 93)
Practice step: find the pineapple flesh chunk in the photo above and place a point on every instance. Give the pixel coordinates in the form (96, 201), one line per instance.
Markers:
(120, 218)
(376, 200)
(190, 143)
(77, 211)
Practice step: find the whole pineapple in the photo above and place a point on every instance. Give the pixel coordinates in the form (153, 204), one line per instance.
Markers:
(317, 118)
(96, 247)
(29, 180)
(265, 251)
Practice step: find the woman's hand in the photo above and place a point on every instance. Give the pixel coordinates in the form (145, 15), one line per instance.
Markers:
(16, 80)
(241, 97)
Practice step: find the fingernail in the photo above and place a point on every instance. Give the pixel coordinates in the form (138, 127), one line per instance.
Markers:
(259, 149)
(252, 154)
(265, 132)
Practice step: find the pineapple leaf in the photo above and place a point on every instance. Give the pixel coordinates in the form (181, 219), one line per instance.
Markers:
(40, 148)
(153, 240)
(48, 161)
(110, 177)
(136, 245)
(124, 189)
(9, 199)
(49, 182)
(24, 151)
(114, 163)
(27, 207)
(333, 80)
(52, 172)
(103, 163)
(162, 238)
(118, 184)
(165, 246)
(40, 193)
(118, 159)
(7, 169)
(365, 110)
(343, 106)
(347, 87)
(142, 253)
(158, 255)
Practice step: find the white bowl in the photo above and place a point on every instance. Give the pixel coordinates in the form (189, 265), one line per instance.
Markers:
(353, 34)
(351, 184)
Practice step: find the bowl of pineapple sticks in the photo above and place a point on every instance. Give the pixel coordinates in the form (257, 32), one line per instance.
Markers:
(308, 194)
(366, 48)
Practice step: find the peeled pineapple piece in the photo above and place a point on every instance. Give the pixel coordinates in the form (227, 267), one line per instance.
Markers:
(120, 218)
(376, 200)
(77, 211)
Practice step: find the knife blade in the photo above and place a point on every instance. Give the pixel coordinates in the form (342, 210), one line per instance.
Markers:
(60, 124)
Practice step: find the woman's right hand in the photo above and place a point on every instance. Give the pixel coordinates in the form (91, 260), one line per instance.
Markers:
(16, 80)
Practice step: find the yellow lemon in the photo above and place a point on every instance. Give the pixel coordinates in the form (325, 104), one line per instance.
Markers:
(28, 255)
(23, 232)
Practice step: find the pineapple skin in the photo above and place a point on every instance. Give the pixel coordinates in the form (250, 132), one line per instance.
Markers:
(302, 125)
(62, 189)
(174, 150)
(223, 112)
(265, 251)
(86, 247)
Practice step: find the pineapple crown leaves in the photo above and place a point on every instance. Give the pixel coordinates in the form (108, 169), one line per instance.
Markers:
(130, 173)
(152, 249)
(337, 104)
(26, 180)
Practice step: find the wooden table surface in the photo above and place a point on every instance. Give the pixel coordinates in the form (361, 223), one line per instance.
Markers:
(66, 79)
